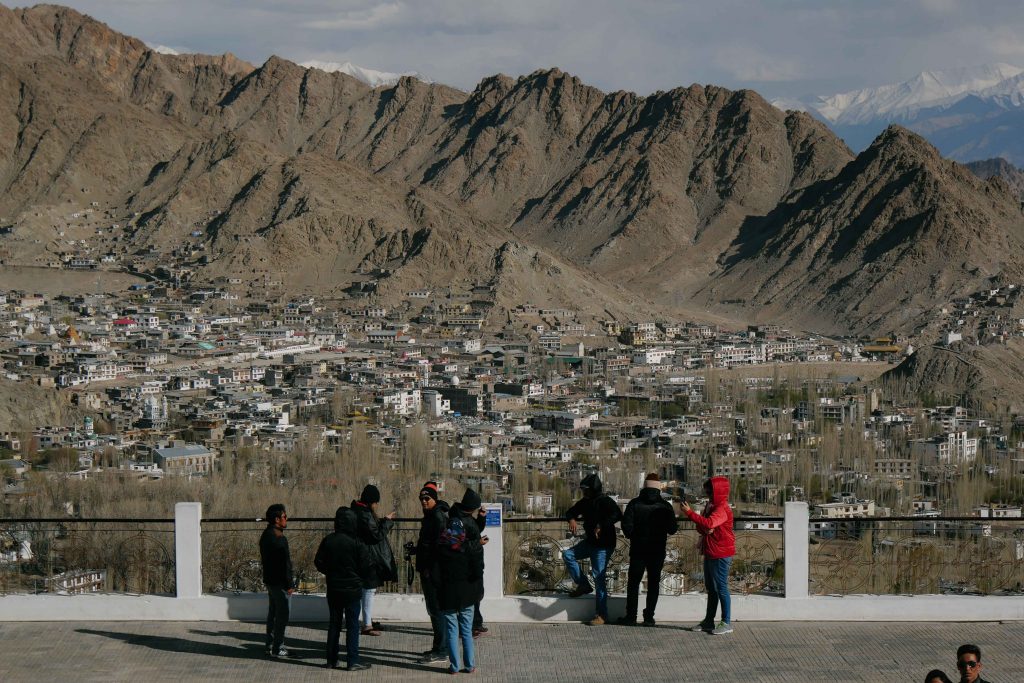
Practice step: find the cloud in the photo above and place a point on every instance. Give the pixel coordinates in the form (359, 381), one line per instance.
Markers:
(360, 19)
(779, 47)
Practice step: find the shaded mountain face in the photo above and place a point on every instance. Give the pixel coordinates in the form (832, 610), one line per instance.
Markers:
(543, 187)
(897, 230)
(999, 168)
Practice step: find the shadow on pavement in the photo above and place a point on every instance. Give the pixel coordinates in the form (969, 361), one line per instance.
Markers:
(171, 644)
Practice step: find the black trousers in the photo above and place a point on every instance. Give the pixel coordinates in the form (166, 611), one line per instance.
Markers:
(650, 561)
(433, 603)
(478, 619)
(277, 617)
(344, 608)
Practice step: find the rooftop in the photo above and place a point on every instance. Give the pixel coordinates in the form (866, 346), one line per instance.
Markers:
(758, 652)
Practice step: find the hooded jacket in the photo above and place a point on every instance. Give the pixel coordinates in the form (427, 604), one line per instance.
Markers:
(598, 512)
(459, 575)
(343, 558)
(648, 521)
(433, 523)
(715, 524)
(374, 533)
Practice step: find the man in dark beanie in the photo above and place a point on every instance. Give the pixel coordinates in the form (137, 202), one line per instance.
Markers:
(373, 530)
(599, 513)
(648, 522)
(435, 518)
(345, 561)
(277, 576)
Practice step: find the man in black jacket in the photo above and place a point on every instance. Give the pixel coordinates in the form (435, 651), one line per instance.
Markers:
(435, 518)
(373, 531)
(648, 522)
(345, 560)
(278, 577)
(599, 513)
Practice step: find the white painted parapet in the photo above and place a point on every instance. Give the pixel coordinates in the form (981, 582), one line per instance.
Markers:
(796, 549)
(188, 549)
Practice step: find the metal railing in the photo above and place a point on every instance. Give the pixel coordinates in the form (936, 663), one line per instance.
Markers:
(534, 547)
(231, 556)
(72, 556)
(917, 555)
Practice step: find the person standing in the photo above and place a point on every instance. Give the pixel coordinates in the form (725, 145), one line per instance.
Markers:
(478, 619)
(373, 530)
(346, 562)
(647, 522)
(459, 579)
(277, 576)
(718, 545)
(599, 513)
(435, 518)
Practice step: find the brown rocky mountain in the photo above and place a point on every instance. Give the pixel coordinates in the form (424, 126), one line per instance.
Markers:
(1000, 168)
(873, 249)
(543, 187)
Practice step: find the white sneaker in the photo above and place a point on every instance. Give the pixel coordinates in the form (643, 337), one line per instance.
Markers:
(722, 628)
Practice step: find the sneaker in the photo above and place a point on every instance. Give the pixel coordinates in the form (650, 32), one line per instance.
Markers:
(370, 631)
(478, 632)
(581, 589)
(649, 621)
(468, 671)
(281, 652)
(598, 620)
(701, 627)
(722, 628)
(358, 666)
(432, 658)
(626, 621)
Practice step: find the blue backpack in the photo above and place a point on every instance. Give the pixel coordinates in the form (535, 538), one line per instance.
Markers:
(454, 535)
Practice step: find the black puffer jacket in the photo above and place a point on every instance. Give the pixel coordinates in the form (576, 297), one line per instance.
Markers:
(598, 512)
(460, 573)
(374, 533)
(648, 521)
(430, 530)
(343, 558)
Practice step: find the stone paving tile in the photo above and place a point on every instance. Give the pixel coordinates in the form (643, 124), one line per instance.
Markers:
(758, 652)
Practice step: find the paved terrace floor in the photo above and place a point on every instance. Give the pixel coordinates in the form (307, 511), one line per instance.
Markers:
(756, 652)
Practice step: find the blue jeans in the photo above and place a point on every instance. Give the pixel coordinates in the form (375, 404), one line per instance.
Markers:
(343, 607)
(459, 625)
(598, 569)
(716, 580)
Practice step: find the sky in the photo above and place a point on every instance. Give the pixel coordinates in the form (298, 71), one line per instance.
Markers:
(781, 48)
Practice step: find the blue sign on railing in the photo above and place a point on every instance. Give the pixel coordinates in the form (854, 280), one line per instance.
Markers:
(493, 516)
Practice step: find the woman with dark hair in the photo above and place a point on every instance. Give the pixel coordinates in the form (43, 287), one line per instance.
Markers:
(937, 676)
(373, 530)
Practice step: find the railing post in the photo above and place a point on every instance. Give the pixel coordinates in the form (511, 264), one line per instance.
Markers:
(796, 549)
(188, 550)
(494, 553)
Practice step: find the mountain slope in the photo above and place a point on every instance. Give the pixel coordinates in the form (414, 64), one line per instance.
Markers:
(898, 230)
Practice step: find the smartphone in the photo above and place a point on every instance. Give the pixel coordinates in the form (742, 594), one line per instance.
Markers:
(484, 538)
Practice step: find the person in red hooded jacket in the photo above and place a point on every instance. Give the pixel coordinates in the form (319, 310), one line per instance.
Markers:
(718, 545)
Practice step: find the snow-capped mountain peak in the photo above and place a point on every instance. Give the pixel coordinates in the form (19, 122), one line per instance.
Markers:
(927, 89)
(373, 78)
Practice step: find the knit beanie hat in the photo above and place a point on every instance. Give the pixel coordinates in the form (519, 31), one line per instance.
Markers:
(370, 495)
(429, 489)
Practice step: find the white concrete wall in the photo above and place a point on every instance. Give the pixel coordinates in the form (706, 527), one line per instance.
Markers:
(191, 605)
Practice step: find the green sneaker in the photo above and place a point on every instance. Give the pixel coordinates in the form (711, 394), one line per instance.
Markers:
(722, 628)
